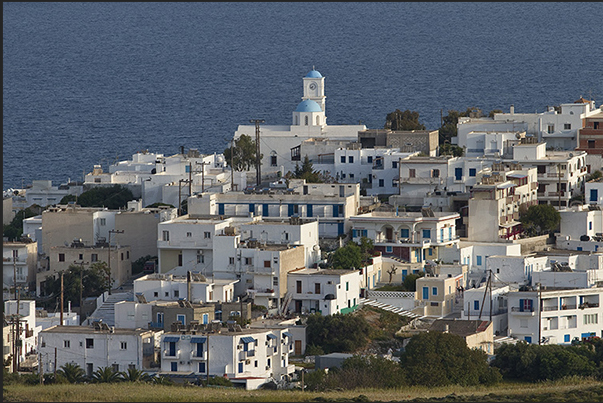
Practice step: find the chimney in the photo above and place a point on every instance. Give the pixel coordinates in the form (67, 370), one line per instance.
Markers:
(512, 109)
(446, 328)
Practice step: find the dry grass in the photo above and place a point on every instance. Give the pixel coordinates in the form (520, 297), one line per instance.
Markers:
(155, 393)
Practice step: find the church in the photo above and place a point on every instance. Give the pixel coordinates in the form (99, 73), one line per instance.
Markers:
(280, 145)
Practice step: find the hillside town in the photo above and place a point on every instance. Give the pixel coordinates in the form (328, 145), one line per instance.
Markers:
(214, 265)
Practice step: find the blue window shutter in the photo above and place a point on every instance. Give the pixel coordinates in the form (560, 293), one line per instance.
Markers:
(340, 228)
(476, 305)
(335, 210)
(310, 212)
(521, 305)
(290, 209)
(265, 210)
(251, 208)
(425, 292)
(594, 195)
(221, 208)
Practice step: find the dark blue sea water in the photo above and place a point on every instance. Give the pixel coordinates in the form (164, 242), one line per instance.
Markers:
(92, 83)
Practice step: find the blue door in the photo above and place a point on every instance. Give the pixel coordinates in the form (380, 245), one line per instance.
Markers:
(528, 339)
(251, 208)
(340, 228)
(265, 210)
(458, 173)
(309, 210)
(594, 195)
(425, 292)
(174, 366)
(290, 210)
(221, 208)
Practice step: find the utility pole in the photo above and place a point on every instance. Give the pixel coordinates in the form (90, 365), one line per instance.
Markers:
(539, 313)
(180, 193)
(231, 163)
(82, 263)
(400, 176)
(113, 231)
(258, 163)
(62, 290)
(202, 174)
(15, 275)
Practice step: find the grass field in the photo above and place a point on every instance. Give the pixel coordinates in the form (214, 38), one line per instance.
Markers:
(569, 390)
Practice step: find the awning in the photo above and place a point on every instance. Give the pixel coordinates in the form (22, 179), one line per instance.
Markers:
(247, 339)
(198, 339)
(171, 339)
(288, 334)
(271, 336)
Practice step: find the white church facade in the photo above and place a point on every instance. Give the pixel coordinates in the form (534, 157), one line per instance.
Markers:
(280, 144)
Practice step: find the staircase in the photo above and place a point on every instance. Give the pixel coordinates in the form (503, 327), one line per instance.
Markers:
(391, 308)
(106, 311)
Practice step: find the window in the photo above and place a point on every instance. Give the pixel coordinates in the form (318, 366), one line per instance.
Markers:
(231, 260)
(426, 233)
(200, 257)
(347, 286)
(404, 233)
(389, 249)
(248, 260)
(128, 254)
(94, 257)
(189, 234)
(566, 338)
(551, 128)
(479, 260)
(207, 235)
(434, 291)
(201, 367)
(316, 288)
(181, 318)
(273, 160)
(476, 305)
(66, 343)
(343, 159)
(411, 173)
(394, 164)
(275, 281)
(121, 255)
(167, 294)
(369, 159)
(166, 235)
(591, 319)
(174, 366)
(81, 256)
(351, 176)
(471, 171)
(156, 294)
(381, 183)
(103, 221)
(567, 126)
(435, 173)
(351, 159)
(61, 257)
(176, 293)
(267, 263)
(298, 287)
(89, 343)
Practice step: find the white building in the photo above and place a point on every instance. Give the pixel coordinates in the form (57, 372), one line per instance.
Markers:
(43, 193)
(566, 315)
(20, 259)
(172, 287)
(487, 304)
(96, 346)
(22, 315)
(247, 357)
(324, 291)
(412, 236)
(280, 144)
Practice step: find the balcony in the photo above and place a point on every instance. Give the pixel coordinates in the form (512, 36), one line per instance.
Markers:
(167, 354)
(202, 357)
(516, 310)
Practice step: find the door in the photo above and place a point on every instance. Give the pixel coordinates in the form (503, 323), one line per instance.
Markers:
(298, 347)
(458, 173)
(298, 306)
(389, 234)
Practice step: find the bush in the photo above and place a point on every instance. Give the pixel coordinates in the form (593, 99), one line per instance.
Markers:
(337, 333)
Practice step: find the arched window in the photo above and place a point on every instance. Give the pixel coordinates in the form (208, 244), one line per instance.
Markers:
(317, 120)
(306, 121)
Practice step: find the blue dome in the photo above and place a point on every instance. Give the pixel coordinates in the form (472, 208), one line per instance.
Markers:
(314, 74)
(308, 106)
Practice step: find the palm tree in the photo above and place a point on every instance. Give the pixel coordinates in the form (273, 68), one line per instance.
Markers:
(162, 380)
(72, 372)
(105, 375)
(134, 375)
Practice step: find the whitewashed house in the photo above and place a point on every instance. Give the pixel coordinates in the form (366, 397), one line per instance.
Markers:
(24, 313)
(96, 346)
(412, 236)
(565, 315)
(19, 259)
(43, 193)
(324, 291)
(247, 357)
(487, 303)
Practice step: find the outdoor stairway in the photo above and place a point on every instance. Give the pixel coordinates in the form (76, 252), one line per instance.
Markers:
(391, 308)
(106, 312)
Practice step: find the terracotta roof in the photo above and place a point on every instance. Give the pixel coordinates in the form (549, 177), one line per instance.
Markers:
(581, 101)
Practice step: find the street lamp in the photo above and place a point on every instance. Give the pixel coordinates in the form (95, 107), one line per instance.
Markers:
(113, 231)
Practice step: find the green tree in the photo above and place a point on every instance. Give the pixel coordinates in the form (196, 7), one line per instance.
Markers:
(72, 373)
(338, 332)
(95, 279)
(540, 219)
(159, 204)
(493, 112)
(440, 359)
(307, 172)
(533, 363)
(406, 120)
(242, 154)
(451, 149)
(410, 281)
(134, 375)
(449, 122)
(347, 257)
(14, 230)
(113, 197)
(105, 375)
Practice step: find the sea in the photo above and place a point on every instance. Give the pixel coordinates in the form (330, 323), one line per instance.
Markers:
(88, 83)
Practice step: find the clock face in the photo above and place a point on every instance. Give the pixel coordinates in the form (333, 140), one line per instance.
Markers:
(312, 86)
